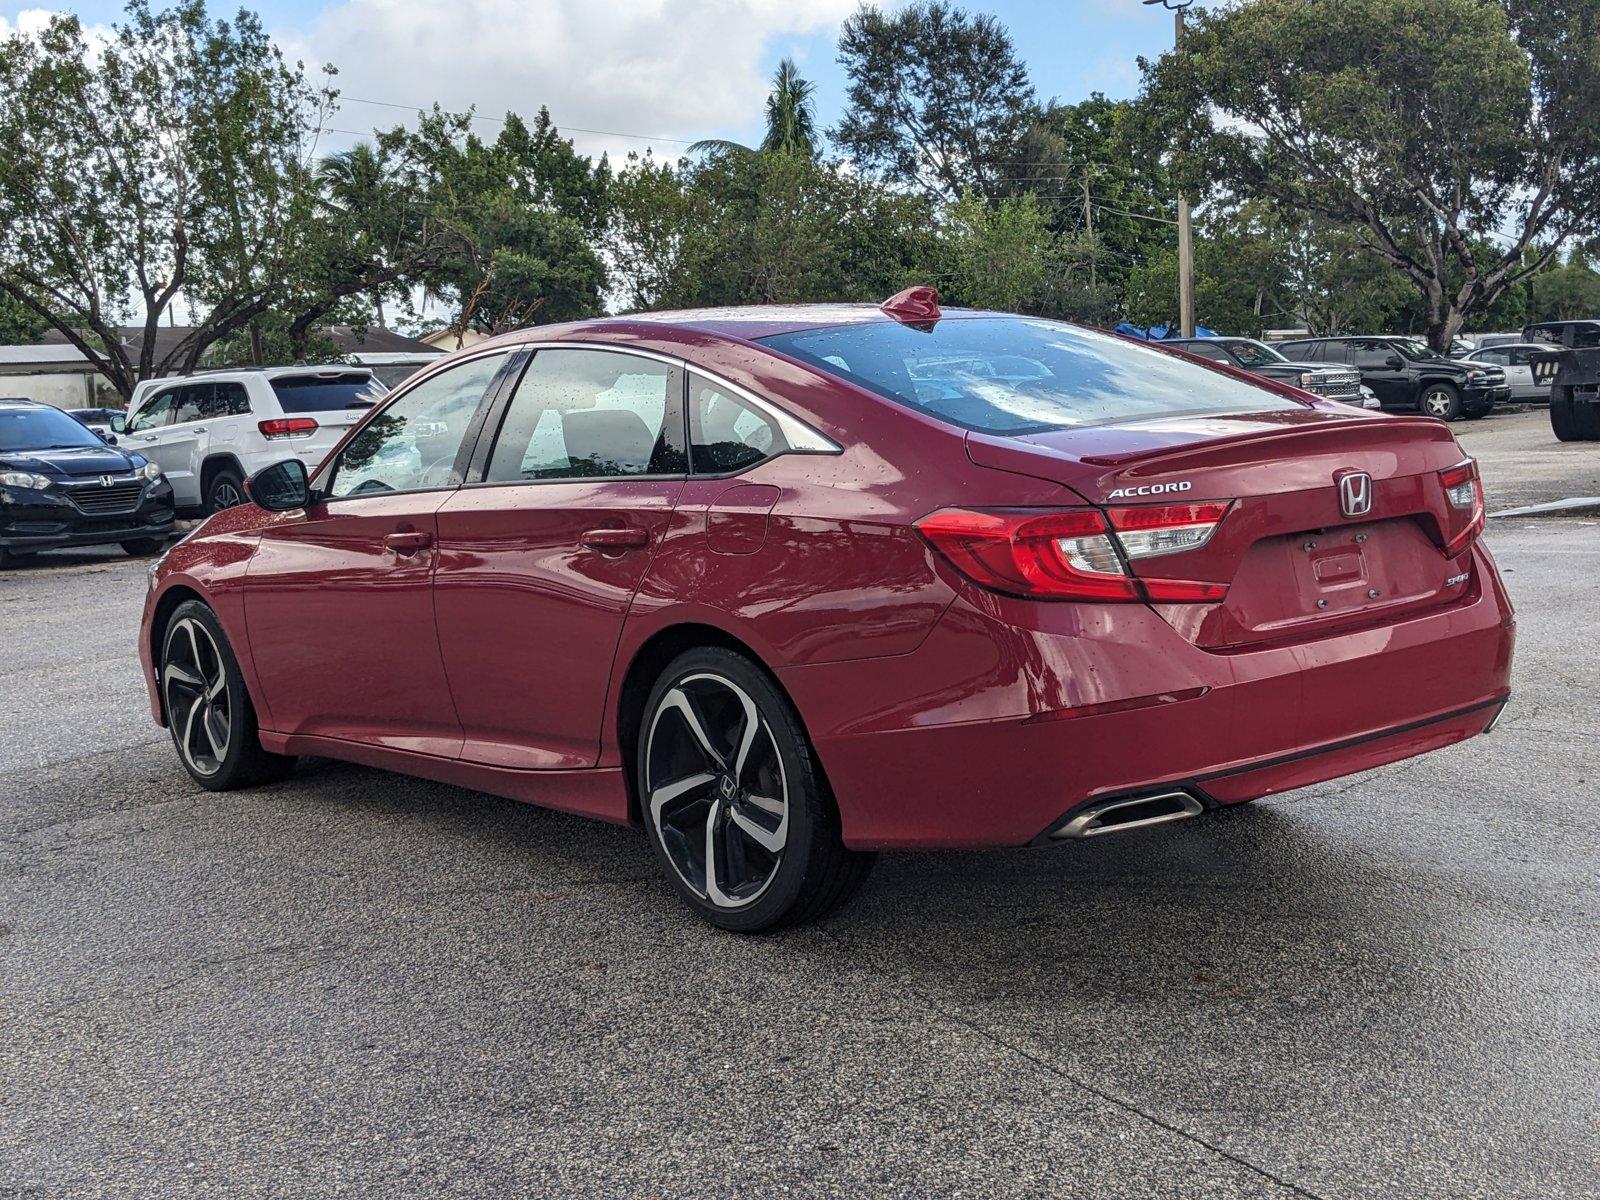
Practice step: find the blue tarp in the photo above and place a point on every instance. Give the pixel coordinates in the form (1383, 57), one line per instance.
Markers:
(1160, 333)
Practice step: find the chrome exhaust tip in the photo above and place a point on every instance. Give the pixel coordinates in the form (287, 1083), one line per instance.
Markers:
(1135, 812)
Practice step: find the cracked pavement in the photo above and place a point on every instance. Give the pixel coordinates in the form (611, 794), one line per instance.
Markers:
(356, 984)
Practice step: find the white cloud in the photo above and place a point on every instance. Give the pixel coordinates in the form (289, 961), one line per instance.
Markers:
(673, 68)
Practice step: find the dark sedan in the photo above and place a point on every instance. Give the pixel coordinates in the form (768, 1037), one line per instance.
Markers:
(61, 485)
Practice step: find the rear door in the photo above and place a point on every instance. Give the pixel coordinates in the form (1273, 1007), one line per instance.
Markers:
(541, 554)
(1519, 374)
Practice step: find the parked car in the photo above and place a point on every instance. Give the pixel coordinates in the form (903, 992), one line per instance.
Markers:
(1258, 358)
(210, 432)
(1408, 376)
(62, 485)
(788, 586)
(1516, 360)
(98, 420)
(1485, 341)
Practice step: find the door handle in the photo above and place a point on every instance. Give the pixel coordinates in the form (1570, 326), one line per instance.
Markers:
(408, 543)
(616, 539)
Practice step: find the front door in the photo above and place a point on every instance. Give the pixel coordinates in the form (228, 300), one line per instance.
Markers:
(339, 596)
(1384, 371)
(540, 559)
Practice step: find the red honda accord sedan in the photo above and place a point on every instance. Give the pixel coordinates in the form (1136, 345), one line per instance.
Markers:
(788, 586)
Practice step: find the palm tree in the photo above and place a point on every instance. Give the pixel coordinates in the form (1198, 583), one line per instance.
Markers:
(791, 119)
(356, 183)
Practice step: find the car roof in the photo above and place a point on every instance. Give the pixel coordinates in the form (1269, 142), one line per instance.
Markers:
(744, 323)
(22, 402)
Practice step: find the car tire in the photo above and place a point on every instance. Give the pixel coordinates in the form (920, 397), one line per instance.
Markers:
(1574, 422)
(225, 490)
(733, 800)
(209, 712)
(1440, 400)
(143, 547)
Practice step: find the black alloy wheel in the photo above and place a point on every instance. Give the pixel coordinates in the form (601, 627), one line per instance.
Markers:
(209, 713)
(733, 801)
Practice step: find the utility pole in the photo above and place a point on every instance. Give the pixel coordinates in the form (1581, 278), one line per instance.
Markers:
(1185, 232)
(1088, 228)
(1185, 229)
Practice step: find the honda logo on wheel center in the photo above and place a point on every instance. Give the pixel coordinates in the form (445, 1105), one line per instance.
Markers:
(1355, 494)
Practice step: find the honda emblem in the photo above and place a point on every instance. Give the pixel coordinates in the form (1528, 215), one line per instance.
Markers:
(1355, 494)
(106, 481)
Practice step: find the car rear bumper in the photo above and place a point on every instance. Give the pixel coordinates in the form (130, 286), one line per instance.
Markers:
(993, 734)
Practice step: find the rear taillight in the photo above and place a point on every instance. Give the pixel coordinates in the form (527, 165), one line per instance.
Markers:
(1075, 554)
(287, 427)
(1464, 492)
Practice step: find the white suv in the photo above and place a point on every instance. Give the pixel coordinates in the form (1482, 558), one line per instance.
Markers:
(211, 432)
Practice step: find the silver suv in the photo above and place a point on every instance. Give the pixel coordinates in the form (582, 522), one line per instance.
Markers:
(212, 431)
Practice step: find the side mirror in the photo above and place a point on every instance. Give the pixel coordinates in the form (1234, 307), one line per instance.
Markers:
(109, 438)
(280, 487)
(119, 423)
(1393, 362)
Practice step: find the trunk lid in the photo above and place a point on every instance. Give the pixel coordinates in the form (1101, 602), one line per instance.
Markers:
(1295, 565)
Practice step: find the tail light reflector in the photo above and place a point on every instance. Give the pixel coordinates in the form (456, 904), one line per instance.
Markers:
(1074, 554)
(1464, 491)
(287, 427)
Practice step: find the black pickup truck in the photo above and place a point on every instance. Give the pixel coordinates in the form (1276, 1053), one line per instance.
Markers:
(1247, 354)
(1410, 377)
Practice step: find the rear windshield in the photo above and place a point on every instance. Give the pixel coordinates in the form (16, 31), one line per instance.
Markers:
(325, 393)
(1019, 375)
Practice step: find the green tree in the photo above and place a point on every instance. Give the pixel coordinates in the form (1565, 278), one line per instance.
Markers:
(169, 161)
(513, 221)
(1106, 198)
(1424, 125)
(996, 256)
(937, 100)
(18, 323)
(1568, 292)
(760, 228)
(791, 119)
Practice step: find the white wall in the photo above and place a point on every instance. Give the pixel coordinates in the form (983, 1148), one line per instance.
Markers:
(64, 390)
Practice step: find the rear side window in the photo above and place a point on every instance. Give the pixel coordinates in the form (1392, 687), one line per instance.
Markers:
(725, 433)
(590, 414)
(325, 393)
(1019, 375)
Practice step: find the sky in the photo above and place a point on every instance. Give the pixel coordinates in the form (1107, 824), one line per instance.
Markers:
(665, 72)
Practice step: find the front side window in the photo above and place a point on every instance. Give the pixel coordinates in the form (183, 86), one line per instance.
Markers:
(1370, 356)
(1017, 375)
(1214, 353)
(1500, 358)
(726, 433)
(1517, 356)
(155, 414)
(411, 445)
(590, 414)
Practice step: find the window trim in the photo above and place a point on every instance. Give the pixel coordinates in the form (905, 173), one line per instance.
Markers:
(802, 438)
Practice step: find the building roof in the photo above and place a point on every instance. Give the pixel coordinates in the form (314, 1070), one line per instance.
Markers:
(346, 339)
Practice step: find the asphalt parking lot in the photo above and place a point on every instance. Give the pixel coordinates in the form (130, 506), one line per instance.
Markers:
(356, 984)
